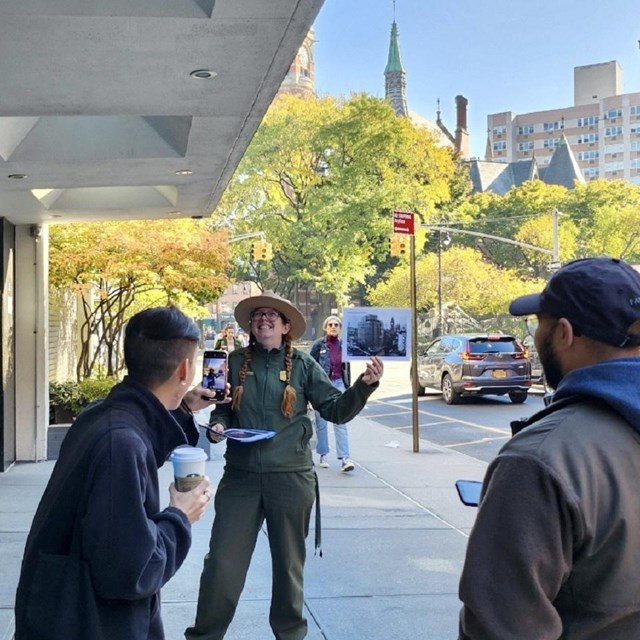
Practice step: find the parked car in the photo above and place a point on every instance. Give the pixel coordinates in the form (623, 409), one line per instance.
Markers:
(478, 364)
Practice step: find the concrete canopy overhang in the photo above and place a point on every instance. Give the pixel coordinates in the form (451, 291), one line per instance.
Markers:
(100, 111)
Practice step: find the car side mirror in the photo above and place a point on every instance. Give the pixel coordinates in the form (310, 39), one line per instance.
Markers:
(469, 492)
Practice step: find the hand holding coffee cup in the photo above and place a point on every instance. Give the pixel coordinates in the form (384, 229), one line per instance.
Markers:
(192, 503)
(188, 467)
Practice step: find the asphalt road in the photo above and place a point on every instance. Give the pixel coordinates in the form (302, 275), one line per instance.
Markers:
(477, 427)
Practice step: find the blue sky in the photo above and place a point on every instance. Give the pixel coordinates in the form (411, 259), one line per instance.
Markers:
(502, 55)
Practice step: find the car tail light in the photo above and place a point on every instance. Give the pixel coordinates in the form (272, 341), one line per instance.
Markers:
(467, 355)
(521, 355)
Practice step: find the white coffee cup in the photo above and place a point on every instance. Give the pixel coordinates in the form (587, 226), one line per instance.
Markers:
(188, 467)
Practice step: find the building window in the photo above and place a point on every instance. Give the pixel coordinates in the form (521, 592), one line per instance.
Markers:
(525, 129)
(635, 164)
(591, 172)
(587, 155)
(634, 110)
(551, 143)
(525, 146)
(500, 145)
(583, 138)
(613, 113)
(589, 121)
(614, 166)
(499, 131)
(612, 131)
(551, 126)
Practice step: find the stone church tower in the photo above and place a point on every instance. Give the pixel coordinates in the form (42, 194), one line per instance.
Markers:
(300, 80)
(395, 85)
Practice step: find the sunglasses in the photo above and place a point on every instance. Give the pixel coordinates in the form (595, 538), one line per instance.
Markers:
(333, 324)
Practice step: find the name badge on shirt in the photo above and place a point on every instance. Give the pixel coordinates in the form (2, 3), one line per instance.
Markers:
(283, 376)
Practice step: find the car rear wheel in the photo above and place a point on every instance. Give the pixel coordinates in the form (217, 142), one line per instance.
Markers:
(517, 397)
(450, 395)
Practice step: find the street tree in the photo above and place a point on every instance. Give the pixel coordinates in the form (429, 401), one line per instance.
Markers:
(607, 214)
(470, 281)
(118, 268)
(321, 178)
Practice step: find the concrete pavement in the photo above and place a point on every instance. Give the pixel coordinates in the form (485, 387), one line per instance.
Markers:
(394, 537)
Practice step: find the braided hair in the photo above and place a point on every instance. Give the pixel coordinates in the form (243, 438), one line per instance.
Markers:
(289, 395)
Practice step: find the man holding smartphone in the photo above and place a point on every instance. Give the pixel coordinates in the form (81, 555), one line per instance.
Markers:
(555, 549)
(100, 547)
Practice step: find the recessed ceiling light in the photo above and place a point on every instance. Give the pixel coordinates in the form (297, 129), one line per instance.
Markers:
(184, 172)
(203, 74)
(17, 176)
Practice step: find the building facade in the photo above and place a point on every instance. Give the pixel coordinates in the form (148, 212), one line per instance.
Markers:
(602, 128)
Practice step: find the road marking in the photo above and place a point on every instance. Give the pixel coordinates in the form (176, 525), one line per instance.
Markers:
(445, 420)
(481, 441)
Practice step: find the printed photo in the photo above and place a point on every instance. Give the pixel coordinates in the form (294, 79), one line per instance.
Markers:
(376, 331)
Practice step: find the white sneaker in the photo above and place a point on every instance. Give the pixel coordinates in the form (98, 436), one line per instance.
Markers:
(347, 465)
(324, 463)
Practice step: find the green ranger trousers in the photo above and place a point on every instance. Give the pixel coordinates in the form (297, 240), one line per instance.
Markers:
(244, 500)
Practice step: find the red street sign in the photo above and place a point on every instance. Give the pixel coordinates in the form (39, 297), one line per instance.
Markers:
(403, 222)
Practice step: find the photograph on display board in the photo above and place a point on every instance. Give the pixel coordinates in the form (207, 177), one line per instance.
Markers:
(376, 331)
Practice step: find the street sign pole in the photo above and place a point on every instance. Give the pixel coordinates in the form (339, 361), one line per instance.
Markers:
(404, 223)
(414, 347)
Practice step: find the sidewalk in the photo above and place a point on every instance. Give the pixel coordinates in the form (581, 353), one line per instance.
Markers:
(394, 536)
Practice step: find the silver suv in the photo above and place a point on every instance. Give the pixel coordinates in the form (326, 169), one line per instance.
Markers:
(470, 365)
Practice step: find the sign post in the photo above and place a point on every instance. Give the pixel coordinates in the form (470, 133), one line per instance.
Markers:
(404, 222)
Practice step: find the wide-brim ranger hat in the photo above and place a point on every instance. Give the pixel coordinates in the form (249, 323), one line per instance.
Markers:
(599, 296)
(246, 307)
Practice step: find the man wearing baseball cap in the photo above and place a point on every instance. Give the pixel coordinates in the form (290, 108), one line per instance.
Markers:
(555, 550)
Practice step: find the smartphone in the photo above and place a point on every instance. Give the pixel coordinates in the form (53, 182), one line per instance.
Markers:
(469, 492)
(214, 372)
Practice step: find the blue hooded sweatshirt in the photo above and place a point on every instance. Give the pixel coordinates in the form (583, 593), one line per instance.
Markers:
(615, 382)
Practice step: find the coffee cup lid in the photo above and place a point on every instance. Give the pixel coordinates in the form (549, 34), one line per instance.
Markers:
(188, 454)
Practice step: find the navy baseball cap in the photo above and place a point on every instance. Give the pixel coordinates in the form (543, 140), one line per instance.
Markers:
(599, 296)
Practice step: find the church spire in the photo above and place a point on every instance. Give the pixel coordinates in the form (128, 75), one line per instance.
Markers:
(394, 75)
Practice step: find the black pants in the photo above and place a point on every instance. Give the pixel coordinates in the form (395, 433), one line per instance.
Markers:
(245, 500)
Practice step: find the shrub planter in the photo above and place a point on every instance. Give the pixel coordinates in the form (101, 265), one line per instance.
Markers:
(55, 436)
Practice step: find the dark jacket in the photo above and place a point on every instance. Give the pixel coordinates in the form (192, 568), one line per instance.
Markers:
(221, 344)
(261, 409)
(104, 493)
(321, 354)
(555, 550)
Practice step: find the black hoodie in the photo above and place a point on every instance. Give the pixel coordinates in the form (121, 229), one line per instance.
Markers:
(102, 505)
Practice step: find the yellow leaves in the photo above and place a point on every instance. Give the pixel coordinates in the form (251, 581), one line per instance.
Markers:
(480, 288)
(171, 254)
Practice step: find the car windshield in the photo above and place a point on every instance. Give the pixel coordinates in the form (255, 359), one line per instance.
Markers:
(499, 345)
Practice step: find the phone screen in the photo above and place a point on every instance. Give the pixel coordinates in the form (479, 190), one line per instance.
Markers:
(214, 372)
(469, 492)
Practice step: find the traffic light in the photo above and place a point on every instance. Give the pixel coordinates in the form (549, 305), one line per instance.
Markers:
(397, 245)
(261, 250)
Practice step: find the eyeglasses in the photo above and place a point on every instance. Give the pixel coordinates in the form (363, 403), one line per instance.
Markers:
(333, 324)
(270, 315)
(531, 323)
